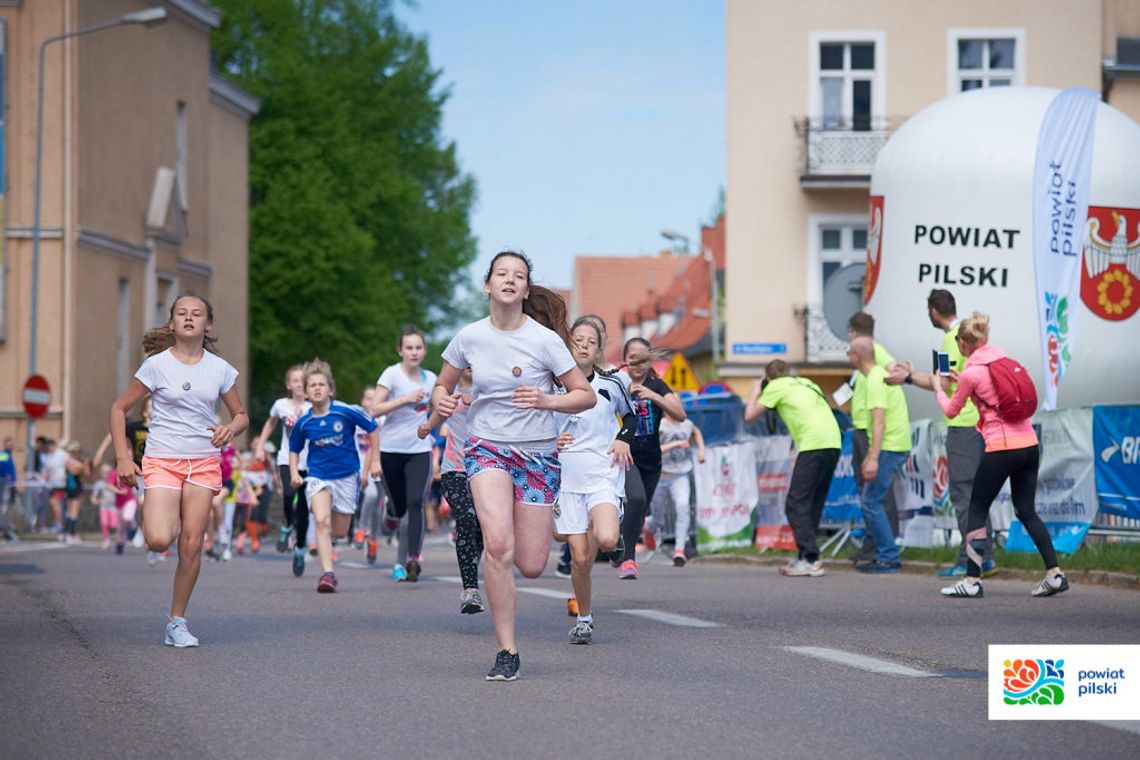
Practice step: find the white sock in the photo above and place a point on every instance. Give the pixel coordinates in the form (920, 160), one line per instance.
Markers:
(588, 619)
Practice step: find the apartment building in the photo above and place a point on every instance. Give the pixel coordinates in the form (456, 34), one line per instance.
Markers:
(815, 88)
(144, 194)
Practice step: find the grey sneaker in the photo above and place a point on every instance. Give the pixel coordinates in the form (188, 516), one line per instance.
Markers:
(582, 633)
(470, 602)
(1051, 585)
(177, 635)
(506, 667)
(801, 567)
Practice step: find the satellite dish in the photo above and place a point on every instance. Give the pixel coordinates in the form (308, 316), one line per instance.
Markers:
(843, 296)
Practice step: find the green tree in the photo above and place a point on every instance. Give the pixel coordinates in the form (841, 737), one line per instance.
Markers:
(359, 212)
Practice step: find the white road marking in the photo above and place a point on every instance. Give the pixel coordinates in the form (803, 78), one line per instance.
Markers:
(670, 618)
(862, 662)
(30, 546)
(563, 595)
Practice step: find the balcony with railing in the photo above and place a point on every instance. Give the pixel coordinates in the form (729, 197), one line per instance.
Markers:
(839, 152)
(822, 342)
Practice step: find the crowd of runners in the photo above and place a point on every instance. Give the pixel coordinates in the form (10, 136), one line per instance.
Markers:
(526, 434)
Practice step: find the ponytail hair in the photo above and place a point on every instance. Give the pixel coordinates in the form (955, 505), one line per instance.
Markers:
(975, 329)
(639, 351)
(595, 323)
(547, 308)
(158, 339)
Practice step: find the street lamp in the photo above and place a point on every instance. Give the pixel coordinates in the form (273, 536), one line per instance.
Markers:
(714, 289)
(147, 18)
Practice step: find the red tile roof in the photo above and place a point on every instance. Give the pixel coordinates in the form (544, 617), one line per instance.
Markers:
(611, 285)
(693, 284)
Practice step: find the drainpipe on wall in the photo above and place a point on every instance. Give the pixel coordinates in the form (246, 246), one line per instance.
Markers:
(68, 228)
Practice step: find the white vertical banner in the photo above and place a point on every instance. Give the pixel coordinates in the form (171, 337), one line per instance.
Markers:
(726, 494)
(1062, 172)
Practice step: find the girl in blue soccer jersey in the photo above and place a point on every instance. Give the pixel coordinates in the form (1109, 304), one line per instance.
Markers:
(333, 479)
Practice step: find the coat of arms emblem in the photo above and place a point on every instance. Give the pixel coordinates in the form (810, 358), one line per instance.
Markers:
(1110, 275)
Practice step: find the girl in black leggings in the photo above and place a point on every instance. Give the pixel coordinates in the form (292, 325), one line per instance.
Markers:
(651, 398)
(1012, 453)
(402, 394)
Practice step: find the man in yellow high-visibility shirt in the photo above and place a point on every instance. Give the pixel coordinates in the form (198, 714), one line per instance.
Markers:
(964, 444)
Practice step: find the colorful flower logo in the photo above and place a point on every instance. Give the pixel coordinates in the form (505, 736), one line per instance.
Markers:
(1033, 682)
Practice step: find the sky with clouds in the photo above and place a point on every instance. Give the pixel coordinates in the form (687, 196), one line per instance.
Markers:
(589, 126)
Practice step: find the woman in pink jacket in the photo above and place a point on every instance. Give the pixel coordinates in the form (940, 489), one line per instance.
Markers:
(1011, 452)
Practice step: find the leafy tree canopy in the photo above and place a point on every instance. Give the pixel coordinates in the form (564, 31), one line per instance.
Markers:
(359, 212)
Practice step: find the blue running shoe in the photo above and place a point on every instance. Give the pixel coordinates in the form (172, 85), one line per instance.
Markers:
(298, 561)
(956, 571)
(399, 574)
(989, 569)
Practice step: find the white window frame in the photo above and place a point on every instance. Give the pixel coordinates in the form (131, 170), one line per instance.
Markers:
(954, 76)
(878, 74)
(815, 226)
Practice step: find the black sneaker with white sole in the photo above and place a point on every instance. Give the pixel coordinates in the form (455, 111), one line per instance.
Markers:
(506, 667)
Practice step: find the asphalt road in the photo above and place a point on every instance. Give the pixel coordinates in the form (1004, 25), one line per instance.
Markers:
(393, 670)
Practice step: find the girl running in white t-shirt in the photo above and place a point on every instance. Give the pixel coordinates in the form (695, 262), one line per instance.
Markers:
(594, 452)
(402, 395)
(181, 469)
(288, 410)
(511, 458)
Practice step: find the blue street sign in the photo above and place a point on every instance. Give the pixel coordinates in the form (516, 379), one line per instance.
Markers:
(759, 348)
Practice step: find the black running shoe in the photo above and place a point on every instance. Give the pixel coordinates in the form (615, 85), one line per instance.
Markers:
(413, 570)
(615, 555)
(506, 667)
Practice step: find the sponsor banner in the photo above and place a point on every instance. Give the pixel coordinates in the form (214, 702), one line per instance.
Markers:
(1062, 174)
(944, 515)
(914, 492)
(1066, 491)
(773, 476)
(726, 494)
(1063, 682)
(1116, 459)
(842, 503)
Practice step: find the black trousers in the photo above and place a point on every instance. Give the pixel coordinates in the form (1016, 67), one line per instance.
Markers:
(1019, 466)
(807, 493)
(406, 477)
(640, 485)
(295, 505)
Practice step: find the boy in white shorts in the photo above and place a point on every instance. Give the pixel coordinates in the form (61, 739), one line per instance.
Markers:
(329, 430)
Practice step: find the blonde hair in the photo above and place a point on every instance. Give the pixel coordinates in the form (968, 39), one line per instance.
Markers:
(319, 367)
(975, 329)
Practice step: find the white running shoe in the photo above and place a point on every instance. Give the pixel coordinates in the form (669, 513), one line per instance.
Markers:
(227, 555)
(177, 634)
(1050, 585)
(801, 567)
(964, 589)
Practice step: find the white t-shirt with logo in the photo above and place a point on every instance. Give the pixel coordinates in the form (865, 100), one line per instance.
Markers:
(399, 435)
(284, 410)
(500, 361)
(587, 464)
(184, 402)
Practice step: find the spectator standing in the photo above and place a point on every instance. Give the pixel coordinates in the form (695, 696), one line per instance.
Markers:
(964, 443)
(887, 450)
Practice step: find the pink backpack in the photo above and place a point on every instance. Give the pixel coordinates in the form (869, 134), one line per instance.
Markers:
(1017, 397)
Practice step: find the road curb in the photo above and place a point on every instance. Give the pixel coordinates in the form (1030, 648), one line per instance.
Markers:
(1088, 577)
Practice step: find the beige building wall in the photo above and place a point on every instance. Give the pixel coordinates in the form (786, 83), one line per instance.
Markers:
(108, 265)
(770, 51)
